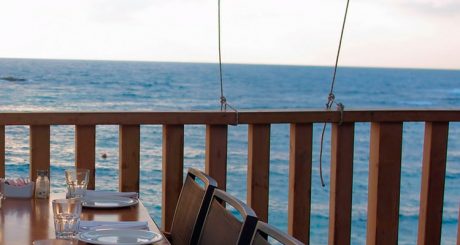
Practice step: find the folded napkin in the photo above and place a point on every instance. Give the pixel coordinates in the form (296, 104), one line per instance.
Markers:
(125, 225)
(91, 193)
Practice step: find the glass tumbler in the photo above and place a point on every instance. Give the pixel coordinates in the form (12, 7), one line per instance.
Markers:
(66, 217)
(77, 182)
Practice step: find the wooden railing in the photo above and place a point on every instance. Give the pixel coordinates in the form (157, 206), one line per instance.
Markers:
(384, 170)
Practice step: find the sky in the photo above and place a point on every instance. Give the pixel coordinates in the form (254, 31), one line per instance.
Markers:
(378, 33)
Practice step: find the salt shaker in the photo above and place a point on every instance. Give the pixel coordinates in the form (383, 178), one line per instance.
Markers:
(42, 184)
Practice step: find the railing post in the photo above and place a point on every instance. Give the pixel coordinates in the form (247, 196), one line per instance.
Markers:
(300, 163)
(173, 169)
(458, 227)
(340, 200)
(216, 154)
(432, 187)
(129, 165)
(85, 151)
(258, 168)
(384, 183)
(2, 151)
(39, 149)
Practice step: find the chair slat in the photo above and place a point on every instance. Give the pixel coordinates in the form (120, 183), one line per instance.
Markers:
(221, 226)
(85, 151)
(39, 149)
(216, 153)
(258, 169)
(2, 151)
(433, 176)
(173, 164)
(129, 148)
(300, 163)
(342, 146)
(192, 207)
(384, 183)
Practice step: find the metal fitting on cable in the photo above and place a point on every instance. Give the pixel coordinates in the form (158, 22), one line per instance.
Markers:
(223, 103)
(330, 100)
(331, 97)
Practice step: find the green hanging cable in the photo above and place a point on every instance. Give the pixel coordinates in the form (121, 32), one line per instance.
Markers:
(223, 100)
(331, 98)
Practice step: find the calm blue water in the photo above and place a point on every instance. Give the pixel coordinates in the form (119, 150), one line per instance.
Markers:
(140, 86)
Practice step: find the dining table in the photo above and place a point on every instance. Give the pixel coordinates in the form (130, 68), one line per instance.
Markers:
(23, 221)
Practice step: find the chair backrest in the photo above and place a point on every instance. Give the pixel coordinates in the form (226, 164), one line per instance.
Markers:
(222, 227)
(193, 203)
(264, 230)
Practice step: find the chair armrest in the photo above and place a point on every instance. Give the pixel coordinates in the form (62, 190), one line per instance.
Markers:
(167, 235)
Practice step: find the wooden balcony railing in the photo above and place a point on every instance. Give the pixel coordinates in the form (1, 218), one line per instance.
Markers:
(384, 170)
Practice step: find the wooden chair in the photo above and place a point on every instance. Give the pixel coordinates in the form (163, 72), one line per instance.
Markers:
(264, 230)
(222, 227)
(190, 213)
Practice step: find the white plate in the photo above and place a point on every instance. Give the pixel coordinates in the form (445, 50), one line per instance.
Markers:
(121, 237)
(108, 202)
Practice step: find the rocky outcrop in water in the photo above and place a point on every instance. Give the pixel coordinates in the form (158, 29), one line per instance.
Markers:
(13, 79)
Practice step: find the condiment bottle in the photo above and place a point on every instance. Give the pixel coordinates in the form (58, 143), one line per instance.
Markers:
(42, 184)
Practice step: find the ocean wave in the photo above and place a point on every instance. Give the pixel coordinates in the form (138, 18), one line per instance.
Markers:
(111, 86)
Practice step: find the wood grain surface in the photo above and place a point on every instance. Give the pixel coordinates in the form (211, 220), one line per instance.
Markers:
(22, 221)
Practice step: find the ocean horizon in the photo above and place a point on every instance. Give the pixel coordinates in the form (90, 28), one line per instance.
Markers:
(231, 63)
(88, 85)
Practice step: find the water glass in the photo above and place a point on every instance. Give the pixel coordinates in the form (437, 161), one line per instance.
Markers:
(66, 217)
(77, 182)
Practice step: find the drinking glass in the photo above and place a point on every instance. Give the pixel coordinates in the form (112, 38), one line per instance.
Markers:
(66, 217)
(77, 182)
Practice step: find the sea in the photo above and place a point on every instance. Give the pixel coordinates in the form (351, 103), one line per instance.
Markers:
(77, 85)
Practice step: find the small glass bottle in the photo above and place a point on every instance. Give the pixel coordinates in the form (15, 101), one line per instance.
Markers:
(42, 184)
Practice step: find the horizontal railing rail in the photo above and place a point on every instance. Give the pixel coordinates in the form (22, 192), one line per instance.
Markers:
(384, 160)
(217, 117)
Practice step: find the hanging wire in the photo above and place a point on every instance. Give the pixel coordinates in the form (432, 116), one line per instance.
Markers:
(223, 100)
(331, 98)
